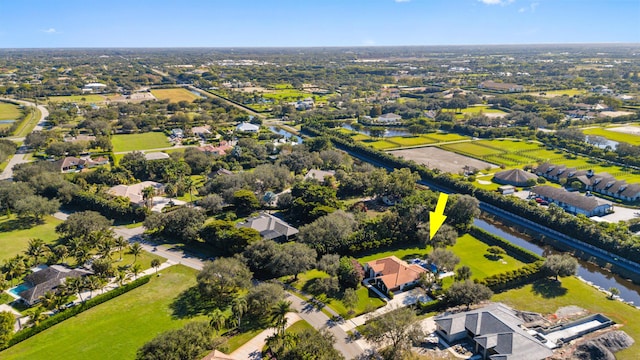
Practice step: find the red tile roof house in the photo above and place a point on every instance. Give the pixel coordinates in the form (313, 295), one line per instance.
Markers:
(393, 274)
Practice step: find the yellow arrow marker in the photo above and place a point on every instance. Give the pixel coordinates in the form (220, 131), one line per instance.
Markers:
(437, 218)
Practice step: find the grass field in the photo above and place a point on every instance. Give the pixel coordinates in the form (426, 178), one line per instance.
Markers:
(546, 297)
(28, 123)
(9, 111)
(402, 141)
(614, 135)
(554, 93)
(89, 98)
(144, 141)
(473, 110)
(14, 238)
(115, 329)
(174, 95)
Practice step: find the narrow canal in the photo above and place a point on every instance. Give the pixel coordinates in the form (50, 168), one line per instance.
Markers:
(586, 270)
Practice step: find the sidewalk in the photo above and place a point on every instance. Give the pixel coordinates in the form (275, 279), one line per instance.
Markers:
(252, 349)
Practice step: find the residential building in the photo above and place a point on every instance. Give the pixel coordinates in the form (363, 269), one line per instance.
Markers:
(315, 174)
(134, 192)
(496, 331)
(156, 156)
(47, 279)
(248, 127)
(393, 274)
(221, 149)
(94, 88)
(270, 227)
(74, 164)
(502, 87)
(573, 202)
(515, 177)
(389, 118)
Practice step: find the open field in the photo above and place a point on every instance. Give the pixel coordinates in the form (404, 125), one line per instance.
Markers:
(546, 296)
(402, 141)
(14, 238)
(174, 95)
(144, 141)
(88, 98)
(29, 122)
(615, 135)
(447, 161)
(554, 93)
(114, 329)
(485, 109)
(9, 111)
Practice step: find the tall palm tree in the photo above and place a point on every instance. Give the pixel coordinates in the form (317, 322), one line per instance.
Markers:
(36, 249)
(239, 308)
(190, 185)
(155, 263)
(135, 270)
(279, 315)
(16, 267)
(147, 195)
(48, 300)
(77, 285)
(60, 252)
(94, 283)
(104, 248)
(82, 255)
(121, 277)
(218, 319)
(135, 249)
(121, 243)
(37, 316)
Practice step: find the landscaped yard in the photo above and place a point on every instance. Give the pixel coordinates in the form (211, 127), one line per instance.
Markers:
(174, 95)
(88, 98)
(143, 141)
(10, 111)
(14, 238)
(115, 329)
(546, 296)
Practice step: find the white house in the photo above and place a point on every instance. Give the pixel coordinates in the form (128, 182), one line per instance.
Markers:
(248, 127)
(389, 118)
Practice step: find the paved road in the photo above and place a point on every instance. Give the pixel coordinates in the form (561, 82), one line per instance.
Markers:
(19, 157)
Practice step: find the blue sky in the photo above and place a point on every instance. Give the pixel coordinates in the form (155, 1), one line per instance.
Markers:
(246, 23)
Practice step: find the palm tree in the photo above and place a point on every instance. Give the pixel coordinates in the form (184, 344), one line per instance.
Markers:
(147, 195)
(155, 263)
(135, 270)
(121, 277)
(190, 185)
(218, 319)
(239, 307)
(279, 315)
(4, 284)
(48, 300)
(135, 249)
(121, 243)
(37, 316)
(82, 255)
(104, 248)
(16, 267)
(94, 283)
(36, 249)
(60, 252)
(77, 285)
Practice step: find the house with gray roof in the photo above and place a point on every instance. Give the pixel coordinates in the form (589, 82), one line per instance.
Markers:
(48, 279)
(573, 202)
(515, 177)
(497, 332)
(270, 227)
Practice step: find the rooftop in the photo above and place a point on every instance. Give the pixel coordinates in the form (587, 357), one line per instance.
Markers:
(269, 226)
(395, 272)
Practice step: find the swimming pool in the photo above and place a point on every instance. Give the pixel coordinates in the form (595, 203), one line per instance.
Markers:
(15, 291)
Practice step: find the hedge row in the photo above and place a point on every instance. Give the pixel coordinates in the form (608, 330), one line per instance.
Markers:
(66, 314)
(113, 209)
(513, 278)
(512, 249)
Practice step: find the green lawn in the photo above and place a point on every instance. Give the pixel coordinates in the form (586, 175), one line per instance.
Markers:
(367, 301)
(10, 111)
(14, 237)
(115, 329)
(410, 140)
(553, 93)
(174, 95)
(89, 98)
(470, 148)
(546, 297)
(614, 135)
(472, 254)
(144, 141)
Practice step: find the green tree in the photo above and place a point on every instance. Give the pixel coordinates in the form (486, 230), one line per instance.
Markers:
(223, 277)
(350, 300)
(190, 342)
(461, 210)
(398, 328)
(560, 265)
(329, 233)
(239, 308)
(147, 195)
(613, 292)
(121, 243)
(329, 263)
(155, 263)
(279, 315)
(35, 207)
(294, 258)
(245, 202)
(463, 273)
(495, 252)
(135, 270)
(217, 319)
(443, 259)
(135, 249)
(37, 249)
(350, 273)
(467, 293)
(37, 316)
(262, 298)
(7, 320)
(81, 224)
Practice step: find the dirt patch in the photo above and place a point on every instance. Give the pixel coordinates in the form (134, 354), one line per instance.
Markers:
(570, 311)
(615, 113)
(633, 130)
(436, 158)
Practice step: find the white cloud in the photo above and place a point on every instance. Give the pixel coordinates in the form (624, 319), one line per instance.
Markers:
(496, 2)
(401, 1)
(532, 7)
(368, 42)
(49, 31)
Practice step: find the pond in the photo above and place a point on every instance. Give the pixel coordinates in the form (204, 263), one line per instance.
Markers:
(603, 143)
(287, 135)
(390, 132)
(586, 270)
(196, 93)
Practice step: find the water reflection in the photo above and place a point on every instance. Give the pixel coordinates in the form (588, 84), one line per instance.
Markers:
(588, 271)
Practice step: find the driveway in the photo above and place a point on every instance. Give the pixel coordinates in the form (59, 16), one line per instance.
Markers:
(252, 349)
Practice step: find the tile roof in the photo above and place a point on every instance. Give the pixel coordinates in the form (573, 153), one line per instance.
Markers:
(395, 272)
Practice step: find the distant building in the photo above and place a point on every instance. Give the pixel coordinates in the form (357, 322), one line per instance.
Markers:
(507, 189)
(177, 133)
(248, 127)
(515, 177)
(502, 87)
(75, 164)
(389, 118)
(393, 274)
(270, 227)
(315, 174)
(156, 156)
(48, 279)
(134, 192)
(496, 331)
(573, 202)
(221, 149)
(94, 88)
